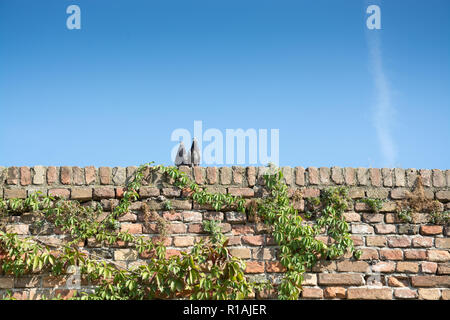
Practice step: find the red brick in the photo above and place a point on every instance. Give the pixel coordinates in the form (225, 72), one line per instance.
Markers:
(183, 241)
(243, 229)
(195, 228)
(52, 175)
(352, 266)
(369, 254)
(399, 242)
(431, 230)
(244, 192)
(438, 255)
(300, 176)
(391, 254)
(274, 266)
(253, 240)
(369, 293)
(211, 175)
(443, 243)
(398, 281)
(20, 229)
(385, 228)
(430, 281)
(104, 193)
(134, 228)
(90, 175)
(15, 193)
(384, 266)
(254, 267)
(25, 176)
(243, 253)
(375, 241)
(81, 193)
(335, 292)
(172, 216)
(429, 294)
(428, 267)
(375, 177)
(177, 228)
(415, 255)
(312, 293)
(422, 242)
(405, 293)
(59, 192)
(147, 192)
(66, 175)
(251, 176)
(105, 175)
(407, 267)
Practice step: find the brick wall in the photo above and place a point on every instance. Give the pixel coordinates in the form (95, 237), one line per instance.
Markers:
(399, 260)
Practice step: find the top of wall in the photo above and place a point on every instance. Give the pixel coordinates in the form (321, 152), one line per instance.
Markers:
(19, 177)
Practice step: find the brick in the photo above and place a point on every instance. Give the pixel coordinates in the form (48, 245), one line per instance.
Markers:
(352, 217)
(431, 230)
(425, 174)
(104, 193)
(384, 266)
(195, 228)
(54, 281)
(399, 242)
(312, 293)
(340, 279)
(125, 254)
(243, 192)
(27, 282)
(243, 229)
(324, 175)
(310, 193)
(349, 176)
(15, 193)
(81, 194)
(12, 176)
(147, 192)
(274, 266)
(254, 267)
(443, 243)
(356, 193)
(59, 192)
(438, 178)
(376, 241)
(375, 177)
(324, 265)
(415, 254)
(398, 281)
(361, 229)
(38, 173)
(177, 228)
(411, 176)
(6, 282)
(385, 228)
(133, 228)
(243, 253)
(369, 254)
(105, 175)
(313, 175)
(428, 267)
(225, 175)
(66, 175)
(361, 206)
(429, 294)
(443, 195)
(407, 267)
(183, 241)
(373, 217)
(128, 217)
(253, 240)
(399, 193)
(251, 176)
(430, 281)
(438, 255)
(422, 242)
(21, 229)
(369, 293)
(387, 177)
(181, 204)
(211, 175)
(400, 179)
(443, 268)
(391, 254)
(408, 229)
(445, 294)
(25, 176)
(263, 253)
(363, 176)
(335, 292)
(90, 174)
(192, 216)
(352, 266)
(213, 215)
(52, 175)
(300, 176)
(337, 175)
(78, 176)
(405, 293)
(236, 217)
(199, 175)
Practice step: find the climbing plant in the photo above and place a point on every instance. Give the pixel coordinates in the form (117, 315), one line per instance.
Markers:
(208, 271)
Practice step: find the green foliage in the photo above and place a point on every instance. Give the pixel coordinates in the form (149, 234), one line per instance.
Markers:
(438, 217)
(405, 215)
(375, 204)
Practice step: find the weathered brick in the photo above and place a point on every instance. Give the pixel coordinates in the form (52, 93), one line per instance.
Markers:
(384, 228)
(243, 192)
(312, 293)
(243, 229)
(335, 292)
(422, 242)
(369, 293)
(104, 193)
(438, 178)
(211, 175)
(199, 175)
(185, 241)
(399, 193)
(384, 266)
(177, 228)
(274, 266)
(235, 217)
(405, 293)
(324, 175)
(15, 193)
(340, 279)
(90, 174)
(438, 255)
(443, 195)
(352, 217)
(430, 281)
(431, 230)
(407, 267)
(362, 229)
(27, 282)
(243, 253)
(66, 175)
(337, 175)
(125, 254)
(25, 176)
(400, 179)
(20, 229)
(415, 254)
(398, 281)
(387, 177)
(352, 266)
(78, 176)
(399, 242)
(81, 194)
(375, 177)
(369, 254)
(428, 267)
(349, 176)
(363, 176)
(59, 192)
(253, 240)
(133, 228)
(429, 294)
(225, 175)
(254, 267)
(376, 241)
(147, 192)
(119, 176)
(411, 176)
(425, 174)
(105, 175)
(313, 175)
(445, 294)
(6, 282)
(373, 217)
(300, 176)
(443, 243)
(443, 268)
(391, 254)
(12, 176)
(356, 193)
(251, 176)
(192, 216)
(324, 265)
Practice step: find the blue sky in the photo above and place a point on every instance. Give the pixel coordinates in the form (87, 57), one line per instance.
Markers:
(111, 93)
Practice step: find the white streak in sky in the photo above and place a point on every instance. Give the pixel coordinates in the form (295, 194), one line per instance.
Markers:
(384, 111)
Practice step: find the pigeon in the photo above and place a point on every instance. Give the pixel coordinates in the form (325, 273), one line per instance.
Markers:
(182, 156)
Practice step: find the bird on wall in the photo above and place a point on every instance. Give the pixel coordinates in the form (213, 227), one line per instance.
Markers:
(195, 153)
(182, 157)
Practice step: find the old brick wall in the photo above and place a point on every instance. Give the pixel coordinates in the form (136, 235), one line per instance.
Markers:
(399, 260)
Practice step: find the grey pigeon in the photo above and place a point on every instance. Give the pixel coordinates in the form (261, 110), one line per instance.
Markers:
(195, 153)
(182, 156)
